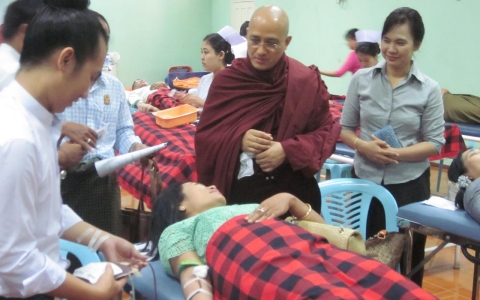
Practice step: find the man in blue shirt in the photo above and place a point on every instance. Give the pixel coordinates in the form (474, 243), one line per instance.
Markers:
(95, 199)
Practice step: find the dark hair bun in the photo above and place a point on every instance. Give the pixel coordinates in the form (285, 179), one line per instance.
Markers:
(456, 168)
(229, 57)
(73, 4)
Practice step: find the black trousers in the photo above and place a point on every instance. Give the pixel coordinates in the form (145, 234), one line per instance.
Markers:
(404, 193)
(36, 297)
(260, 186)
(96, 200)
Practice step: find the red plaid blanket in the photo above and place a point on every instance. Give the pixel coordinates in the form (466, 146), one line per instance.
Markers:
(161, 100)
(454, 142)
(176, 162)
(277, 260)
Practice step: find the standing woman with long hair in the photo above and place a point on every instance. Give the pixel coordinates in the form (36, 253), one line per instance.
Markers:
(63, 54)
(395, 93)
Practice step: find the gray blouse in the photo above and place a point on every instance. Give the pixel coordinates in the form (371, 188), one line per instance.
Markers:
(414, 109)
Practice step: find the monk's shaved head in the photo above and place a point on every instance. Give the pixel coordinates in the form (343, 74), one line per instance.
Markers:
(267, 37)
(272, 15)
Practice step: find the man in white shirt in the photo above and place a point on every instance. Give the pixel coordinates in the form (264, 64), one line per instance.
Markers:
(17, 17)
(32, 218)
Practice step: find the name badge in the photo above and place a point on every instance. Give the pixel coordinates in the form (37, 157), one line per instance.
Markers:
(106, 99)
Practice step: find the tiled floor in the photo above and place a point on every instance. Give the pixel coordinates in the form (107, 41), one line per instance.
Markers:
(440, 278)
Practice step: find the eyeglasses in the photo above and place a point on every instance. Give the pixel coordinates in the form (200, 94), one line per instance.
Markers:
(255, 43)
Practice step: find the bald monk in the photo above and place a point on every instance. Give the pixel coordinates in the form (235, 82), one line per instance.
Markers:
(266, 126)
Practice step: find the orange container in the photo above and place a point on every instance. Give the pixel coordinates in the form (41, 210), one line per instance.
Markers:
(176, 116)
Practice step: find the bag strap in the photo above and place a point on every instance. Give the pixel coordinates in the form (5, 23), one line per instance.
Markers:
(155, 179)
(155, 184)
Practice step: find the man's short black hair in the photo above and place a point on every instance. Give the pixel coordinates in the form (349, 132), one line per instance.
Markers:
(19, 12)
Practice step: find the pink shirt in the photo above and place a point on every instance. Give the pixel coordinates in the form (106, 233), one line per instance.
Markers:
(351, 64)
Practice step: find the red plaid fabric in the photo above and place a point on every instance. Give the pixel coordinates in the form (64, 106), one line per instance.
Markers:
(454, 143)
(161, 100)
(336, 110)
(176, 162)
(277, 260)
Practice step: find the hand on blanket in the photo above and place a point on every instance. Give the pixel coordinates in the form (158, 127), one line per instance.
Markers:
(256, 141)
(144, 107)
(273, 207)
(191, 99)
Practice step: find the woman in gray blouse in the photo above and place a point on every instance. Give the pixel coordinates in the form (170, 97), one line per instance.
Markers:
(396, 93)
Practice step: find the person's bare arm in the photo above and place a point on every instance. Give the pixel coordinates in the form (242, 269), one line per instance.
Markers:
(187, 275)
(376, 150)
(191, 99)
(329, 73)
(114, 248)
(144, 107)
(281, 203)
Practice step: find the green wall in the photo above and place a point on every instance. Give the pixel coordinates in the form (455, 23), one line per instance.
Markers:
(152, 35)
(450, 50)
(221, 14)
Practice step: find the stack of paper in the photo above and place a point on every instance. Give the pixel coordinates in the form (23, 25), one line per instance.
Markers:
(440, 203)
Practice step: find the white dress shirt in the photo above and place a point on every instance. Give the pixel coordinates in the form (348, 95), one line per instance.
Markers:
(9, 64)
(32, 217)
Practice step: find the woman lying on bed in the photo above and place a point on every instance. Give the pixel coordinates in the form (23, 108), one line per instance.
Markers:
(251, 253)
(465, 172)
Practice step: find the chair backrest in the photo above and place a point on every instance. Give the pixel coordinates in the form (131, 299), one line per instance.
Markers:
(345, 202)
(84, 255)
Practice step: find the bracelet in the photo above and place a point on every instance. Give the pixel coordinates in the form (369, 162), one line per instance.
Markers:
(186, 264)
(355, 144)
(307, 214)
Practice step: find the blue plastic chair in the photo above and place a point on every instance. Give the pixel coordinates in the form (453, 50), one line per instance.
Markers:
(337, 169)
(84, 255)
(345, 202)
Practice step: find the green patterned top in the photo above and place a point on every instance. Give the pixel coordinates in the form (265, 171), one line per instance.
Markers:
(194, 233)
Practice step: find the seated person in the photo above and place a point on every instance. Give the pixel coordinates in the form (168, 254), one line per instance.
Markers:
(367, 48)
(216, 55)
(465, 171)
(461, 108)
(246, 247)
(140, 92)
